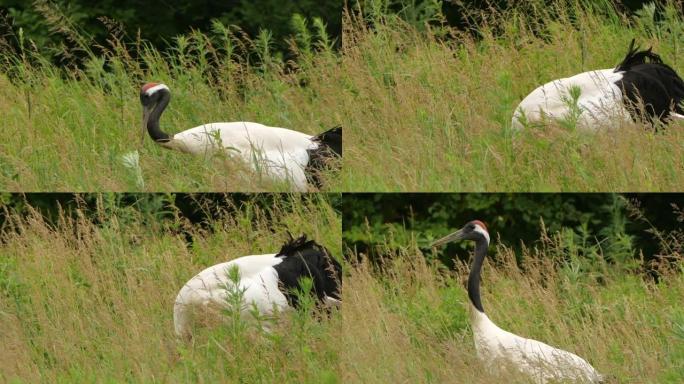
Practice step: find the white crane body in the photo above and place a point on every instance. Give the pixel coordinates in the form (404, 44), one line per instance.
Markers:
(500, 349)
(640, 88)
(279, 153)
(262, 285)
(276, 152)
(599, 101)
(258, 282)
(539, 361)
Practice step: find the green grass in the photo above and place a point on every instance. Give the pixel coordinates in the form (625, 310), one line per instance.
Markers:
(67, 129)
(429, 109)
(81, 302)
(409, 323)
(423, 109)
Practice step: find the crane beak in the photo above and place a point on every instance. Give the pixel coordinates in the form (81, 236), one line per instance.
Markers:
(458, 235)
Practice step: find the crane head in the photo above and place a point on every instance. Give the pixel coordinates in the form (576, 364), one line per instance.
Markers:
(473, 230)
(149, 93)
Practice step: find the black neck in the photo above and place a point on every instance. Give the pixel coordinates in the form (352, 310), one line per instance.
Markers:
(481, 246)
(153, 121)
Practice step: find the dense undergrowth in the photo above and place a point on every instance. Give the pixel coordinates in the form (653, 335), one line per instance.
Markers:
(429, 107)
(424, 107)
(561, 290)
(78, 127)
(84, 300)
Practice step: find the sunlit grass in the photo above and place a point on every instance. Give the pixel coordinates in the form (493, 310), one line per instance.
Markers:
(410, 322)
(66, 129)
(83, 302)
(431, 110)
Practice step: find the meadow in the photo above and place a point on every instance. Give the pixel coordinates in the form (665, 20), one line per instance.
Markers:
(415, 316)
(424, 106)
(429, 107)
(84, 302)
(78, 126)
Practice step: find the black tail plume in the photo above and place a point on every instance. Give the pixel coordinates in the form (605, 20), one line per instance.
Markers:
(332, 139)
(295, 244)
(324, 155)
(635, 57)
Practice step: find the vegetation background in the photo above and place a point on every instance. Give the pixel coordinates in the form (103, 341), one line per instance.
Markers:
(88, 282)
(425, 91)
(625, 228)
(600, 275)
(86, 290)
(160, 21)
(428, 105)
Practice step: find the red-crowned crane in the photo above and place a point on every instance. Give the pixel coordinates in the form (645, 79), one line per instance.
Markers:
(635, 90)
(496, 347)
(267, 282)
(280, 153)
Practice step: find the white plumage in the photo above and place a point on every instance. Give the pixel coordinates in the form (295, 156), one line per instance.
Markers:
(500, 349)
(265, 284)
(279, 153)
(210, 289)
(276, 152)
(599, 101)
(542, 362)
(640, 88)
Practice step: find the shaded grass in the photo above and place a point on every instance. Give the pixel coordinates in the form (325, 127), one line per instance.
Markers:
(430, 109)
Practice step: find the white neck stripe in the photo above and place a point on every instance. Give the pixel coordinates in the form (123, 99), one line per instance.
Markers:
(156, 88)
(482, 231)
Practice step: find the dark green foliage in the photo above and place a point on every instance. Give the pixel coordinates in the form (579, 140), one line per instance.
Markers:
(276, 15)
(604, 224)
(457, 11)
(202, 208)
(160, 21)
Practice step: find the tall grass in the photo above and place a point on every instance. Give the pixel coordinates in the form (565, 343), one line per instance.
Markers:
(68, 129)
(408, 320)
(429, 108)
(425, 108)
(84, 302)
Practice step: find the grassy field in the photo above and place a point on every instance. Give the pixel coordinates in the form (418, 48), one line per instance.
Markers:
(82, 303)
(410, 322)
(429, 109)
(93, 303)
(423, 109)
(69, 130)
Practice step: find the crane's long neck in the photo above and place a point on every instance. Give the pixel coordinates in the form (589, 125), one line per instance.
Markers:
(153, 121)
(481, 246)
